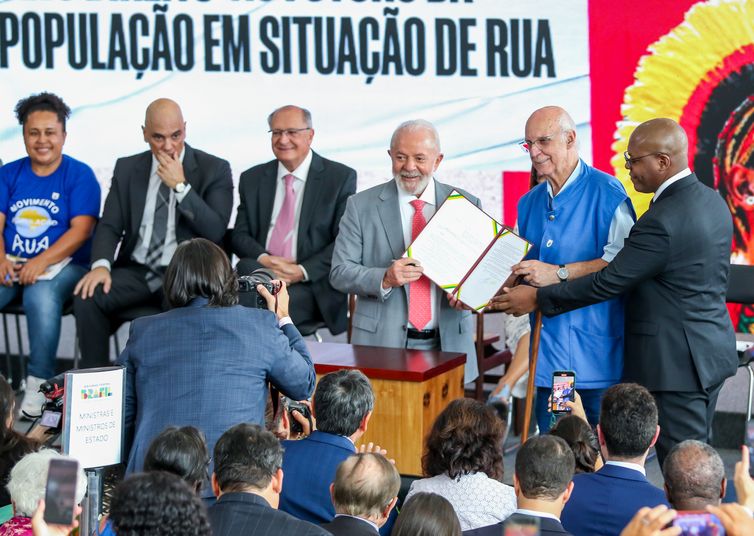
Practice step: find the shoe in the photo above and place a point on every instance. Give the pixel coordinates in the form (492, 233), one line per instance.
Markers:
(33, 399)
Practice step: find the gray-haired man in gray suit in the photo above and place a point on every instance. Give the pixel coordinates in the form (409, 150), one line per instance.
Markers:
(397, 306)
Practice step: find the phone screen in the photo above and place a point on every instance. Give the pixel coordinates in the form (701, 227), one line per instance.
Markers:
(60, 495)
(521, 525)
(50, 419)
(563, 384)
(699, 524)
(749, 442)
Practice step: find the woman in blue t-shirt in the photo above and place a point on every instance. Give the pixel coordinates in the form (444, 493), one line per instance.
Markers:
(49, 204)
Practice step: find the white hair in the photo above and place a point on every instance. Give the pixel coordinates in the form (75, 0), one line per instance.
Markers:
(414, 125)
(28, 481)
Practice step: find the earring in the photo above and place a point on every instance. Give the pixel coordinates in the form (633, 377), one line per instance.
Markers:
(749, 200)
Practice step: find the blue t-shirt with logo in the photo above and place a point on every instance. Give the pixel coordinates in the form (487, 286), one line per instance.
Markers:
(38, 210)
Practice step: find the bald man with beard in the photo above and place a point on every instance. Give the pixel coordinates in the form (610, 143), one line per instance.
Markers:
(673, 270)
(157, 199)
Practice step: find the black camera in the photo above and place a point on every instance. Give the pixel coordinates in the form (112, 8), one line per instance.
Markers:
(303, 409)
(247, 288)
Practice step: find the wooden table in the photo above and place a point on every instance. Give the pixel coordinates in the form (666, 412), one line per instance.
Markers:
(411, 388)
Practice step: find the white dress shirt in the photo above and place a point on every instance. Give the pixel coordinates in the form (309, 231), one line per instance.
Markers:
(675, 178)
(628, 465)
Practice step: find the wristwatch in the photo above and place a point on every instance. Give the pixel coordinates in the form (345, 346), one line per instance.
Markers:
(562, 273)
(180, 187)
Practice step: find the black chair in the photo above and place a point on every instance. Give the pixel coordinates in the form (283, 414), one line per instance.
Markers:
(741, 290)
(311, 328)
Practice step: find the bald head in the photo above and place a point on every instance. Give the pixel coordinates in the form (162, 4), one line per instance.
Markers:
(657, 150)
(550, 134)
(164, 128)
(366, 485)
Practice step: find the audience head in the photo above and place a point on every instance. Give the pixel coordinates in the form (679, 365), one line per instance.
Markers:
(550, 135)
(415, 154)
(694, 476)
(366, 485)
(164, 128)
(28, 480)
(43, 118)
(628, 422)
(248, 458)
(182, 452)
(580, 437)
(292, 135)
(657, 150)
(467, 437)
(427, 514)
(343, 403)
(200, 269)
(13, 446)
(157, 504)
(544, 471)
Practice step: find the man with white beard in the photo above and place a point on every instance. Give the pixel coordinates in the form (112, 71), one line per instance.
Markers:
(397, 306)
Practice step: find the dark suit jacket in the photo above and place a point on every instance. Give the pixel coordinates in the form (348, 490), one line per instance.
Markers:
(309, 468)
(674, 270)
(604, 502)
(327, 187)
(547, 526)
(207, 367)
(350, 526)
(204, 212)
(239, 514)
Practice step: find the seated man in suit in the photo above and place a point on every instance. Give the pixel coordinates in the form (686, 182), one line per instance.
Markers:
(289, 215)
(158, 199)
(398, 307)
(364, 493)
(604, 502)
(694, 476)
(247, 481)
(543, 484)
(342, 405)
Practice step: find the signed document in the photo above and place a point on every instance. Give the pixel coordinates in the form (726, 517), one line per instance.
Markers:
(466, 252)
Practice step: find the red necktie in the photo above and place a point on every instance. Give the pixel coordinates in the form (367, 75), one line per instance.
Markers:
(281, 240)
(419, 292)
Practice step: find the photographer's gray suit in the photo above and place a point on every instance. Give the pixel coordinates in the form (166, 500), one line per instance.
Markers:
(370, 238)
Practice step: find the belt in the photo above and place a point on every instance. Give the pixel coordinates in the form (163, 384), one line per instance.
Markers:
(423, 334)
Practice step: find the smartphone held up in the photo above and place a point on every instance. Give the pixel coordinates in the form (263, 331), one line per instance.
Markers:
(563, 386)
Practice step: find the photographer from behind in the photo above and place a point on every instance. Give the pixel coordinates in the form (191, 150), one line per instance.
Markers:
(207, 361)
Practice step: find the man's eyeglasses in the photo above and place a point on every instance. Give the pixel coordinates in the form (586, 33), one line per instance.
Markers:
(290, 132)
(542, 143)
(631, 160)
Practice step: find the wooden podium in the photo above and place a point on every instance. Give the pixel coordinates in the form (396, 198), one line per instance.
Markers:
(411, 388)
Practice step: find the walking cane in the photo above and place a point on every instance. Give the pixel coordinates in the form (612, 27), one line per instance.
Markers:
(532, 372)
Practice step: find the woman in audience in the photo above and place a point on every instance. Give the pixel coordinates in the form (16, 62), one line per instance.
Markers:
(180, 451)
(13, 446)
(463, 462)
(427, 514)
(580, 437)
(49, 204)
(27, 484)
(157, 504)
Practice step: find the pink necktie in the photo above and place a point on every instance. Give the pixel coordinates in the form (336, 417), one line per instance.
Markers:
(281, 240)
(419, 297)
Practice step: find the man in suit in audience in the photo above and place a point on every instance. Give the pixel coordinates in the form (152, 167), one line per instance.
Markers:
(247, 481)
(603, 503)
(397, 306)
(342, 406)
(673, 269)
(694, 476)
(364, 493)
(157, 199)
(289, 215)
(543, 484)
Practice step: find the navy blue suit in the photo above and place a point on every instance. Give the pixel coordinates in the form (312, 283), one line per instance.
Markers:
(308, 470)
(604, 502)
(207, 367)
(547, 527)
(239, 514)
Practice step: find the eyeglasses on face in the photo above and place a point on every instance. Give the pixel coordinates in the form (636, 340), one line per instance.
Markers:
(542, 142)
(290, 132)
(631, 160)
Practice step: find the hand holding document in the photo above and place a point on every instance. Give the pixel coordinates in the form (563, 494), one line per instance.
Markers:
(48, 274)
(466, 252)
